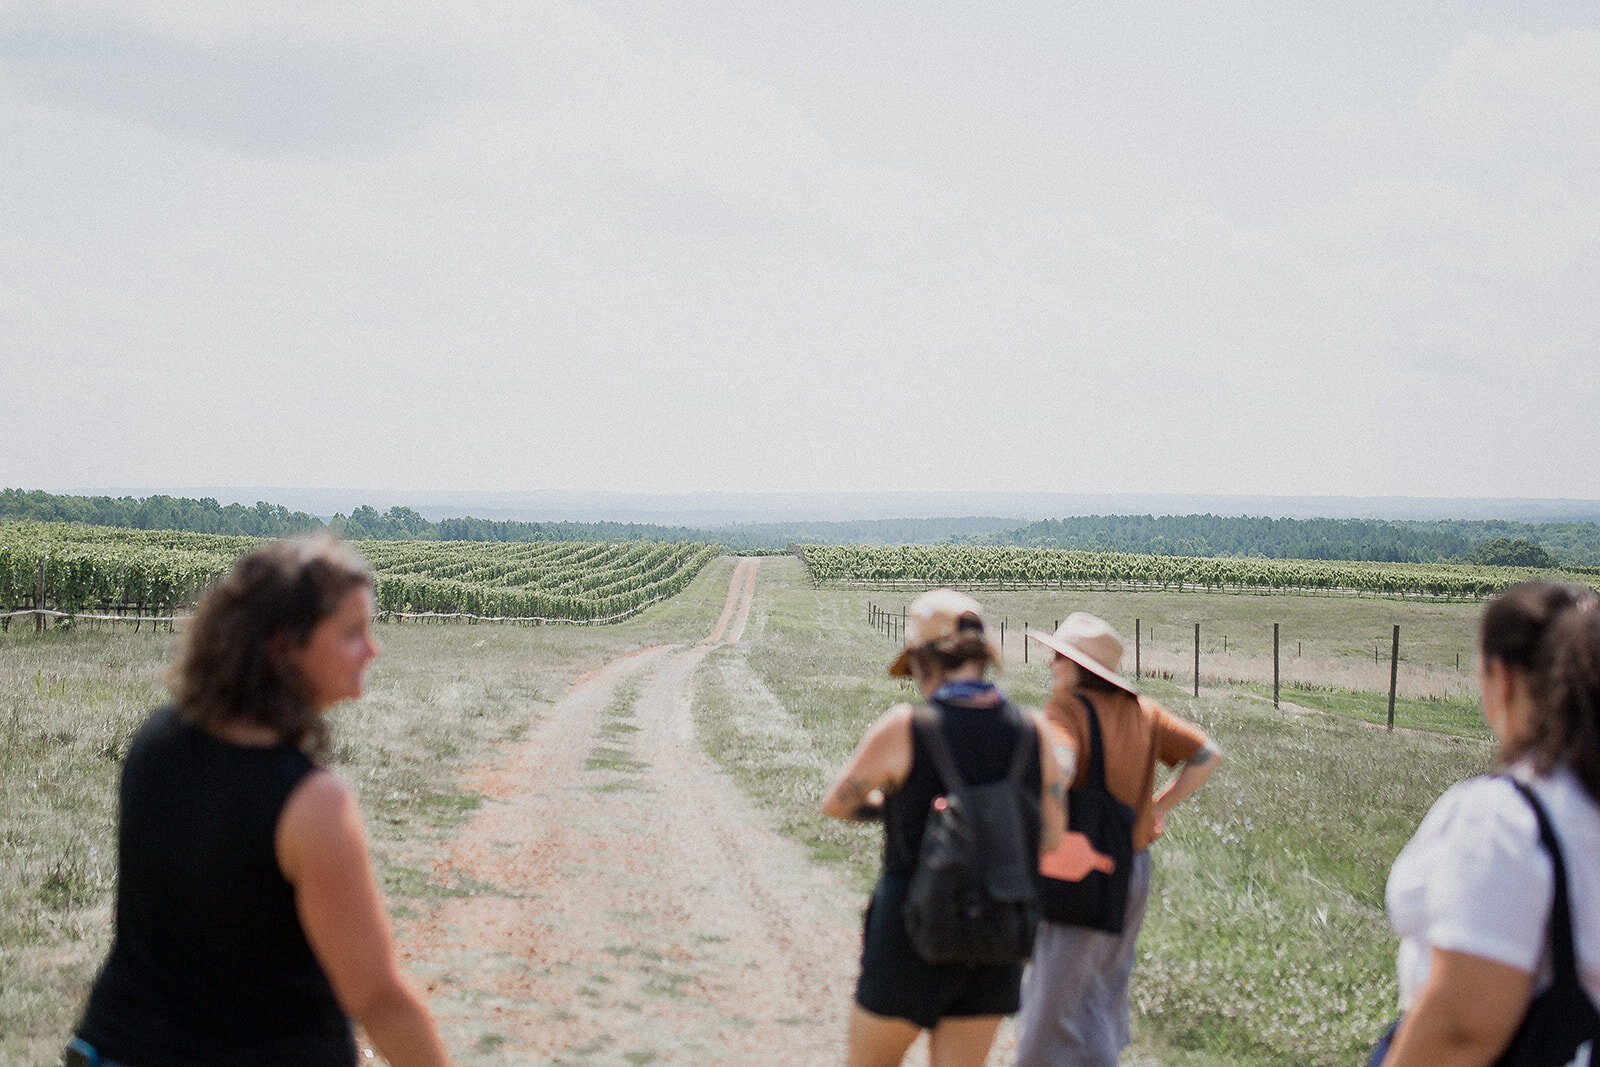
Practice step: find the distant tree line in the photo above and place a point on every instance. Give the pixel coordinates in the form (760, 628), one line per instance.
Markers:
(405, 524)
(1368, 540)
(157, 513)
(1495, 541)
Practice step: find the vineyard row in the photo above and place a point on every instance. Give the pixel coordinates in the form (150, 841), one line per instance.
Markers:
(81, 570)
(979, 566)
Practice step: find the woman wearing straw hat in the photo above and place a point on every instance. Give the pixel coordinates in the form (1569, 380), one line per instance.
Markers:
(892, 777)
(1075, 995)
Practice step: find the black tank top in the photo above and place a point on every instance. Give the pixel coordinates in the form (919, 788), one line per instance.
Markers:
(209, 964)
(982, 740)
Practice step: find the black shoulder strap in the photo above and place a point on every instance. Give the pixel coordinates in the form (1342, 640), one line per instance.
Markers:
(1561, 950)
(944, 762)
(1097, 763)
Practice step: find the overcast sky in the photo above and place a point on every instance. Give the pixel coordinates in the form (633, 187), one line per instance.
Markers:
(1225, 247)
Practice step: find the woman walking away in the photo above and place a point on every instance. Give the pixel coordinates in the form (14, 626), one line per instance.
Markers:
(1075, 998)
(1497, 897)
(249, 929)
(899, 774)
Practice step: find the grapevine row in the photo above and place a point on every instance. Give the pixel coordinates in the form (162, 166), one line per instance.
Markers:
(101, 569)
(976, 566)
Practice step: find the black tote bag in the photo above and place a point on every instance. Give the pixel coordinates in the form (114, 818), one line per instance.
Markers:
(1562, 1027)
(1100, 900)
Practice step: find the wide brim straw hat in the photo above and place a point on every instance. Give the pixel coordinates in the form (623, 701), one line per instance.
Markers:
(937, 614)
(1091, 643)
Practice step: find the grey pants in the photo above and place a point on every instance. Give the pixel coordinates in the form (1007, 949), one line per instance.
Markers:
(1075, 991)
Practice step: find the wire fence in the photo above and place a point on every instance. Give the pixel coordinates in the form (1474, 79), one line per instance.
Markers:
(42, 614)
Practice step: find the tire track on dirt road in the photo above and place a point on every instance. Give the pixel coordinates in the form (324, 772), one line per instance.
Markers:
(620, 899)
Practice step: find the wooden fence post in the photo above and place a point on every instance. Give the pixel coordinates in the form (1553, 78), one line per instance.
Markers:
(1394, 673)
(1196, 659)
(1136, 650)
(1274, 664)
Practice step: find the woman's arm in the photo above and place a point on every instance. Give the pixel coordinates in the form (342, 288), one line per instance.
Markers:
(1466, 1015)
(1196, 769)
(322, 851)
(1053, 796)
(880, 765)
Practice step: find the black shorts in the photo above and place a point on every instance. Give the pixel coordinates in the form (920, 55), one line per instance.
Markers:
(897, 982)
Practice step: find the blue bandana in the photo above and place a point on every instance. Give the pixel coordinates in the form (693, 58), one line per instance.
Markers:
(976, 694)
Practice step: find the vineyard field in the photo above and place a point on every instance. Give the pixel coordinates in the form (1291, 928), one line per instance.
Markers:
(88, 570)
(981, 566)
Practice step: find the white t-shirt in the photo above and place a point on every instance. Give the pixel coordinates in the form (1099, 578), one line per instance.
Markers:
(1475, 879)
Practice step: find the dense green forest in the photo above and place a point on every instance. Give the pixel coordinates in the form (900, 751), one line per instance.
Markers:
(1565, 543)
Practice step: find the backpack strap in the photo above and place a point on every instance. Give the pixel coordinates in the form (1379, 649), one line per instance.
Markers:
(944, 761)
(1562, 954)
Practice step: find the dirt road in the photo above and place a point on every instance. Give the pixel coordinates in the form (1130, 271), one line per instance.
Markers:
(622, 902)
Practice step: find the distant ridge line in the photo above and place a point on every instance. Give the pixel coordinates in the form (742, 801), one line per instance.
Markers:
(728, 508)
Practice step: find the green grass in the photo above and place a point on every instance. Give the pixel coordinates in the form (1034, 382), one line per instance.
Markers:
(1444, 715)
(1266, 941)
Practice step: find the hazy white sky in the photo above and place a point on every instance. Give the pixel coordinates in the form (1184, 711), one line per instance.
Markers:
(1226, 246)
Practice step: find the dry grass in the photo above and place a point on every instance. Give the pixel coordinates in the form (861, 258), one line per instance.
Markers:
(73, 702)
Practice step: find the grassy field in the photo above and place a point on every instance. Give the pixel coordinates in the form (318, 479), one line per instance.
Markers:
(438, 700)
(1266, 941)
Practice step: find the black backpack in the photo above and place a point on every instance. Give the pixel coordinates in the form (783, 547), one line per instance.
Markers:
(972, 898)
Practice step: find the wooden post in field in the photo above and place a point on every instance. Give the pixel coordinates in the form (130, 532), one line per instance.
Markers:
(1024, 640)
(1274, 664)
(1196, 659)
(1136, 650)
(38, 601)
(1394, 673)
(1002, 637)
